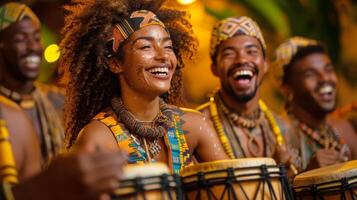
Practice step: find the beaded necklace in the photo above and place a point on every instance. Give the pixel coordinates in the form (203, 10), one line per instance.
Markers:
(220, 130)
(17, 97)
(150, 132)
(325, 136)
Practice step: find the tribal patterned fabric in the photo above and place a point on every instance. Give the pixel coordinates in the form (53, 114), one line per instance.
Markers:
(178, 151)
(231, 27)
(286, 51)
(126, 27)
(12, 12)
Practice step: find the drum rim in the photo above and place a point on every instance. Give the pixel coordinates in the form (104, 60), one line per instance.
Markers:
(252, 173)
(222, 164)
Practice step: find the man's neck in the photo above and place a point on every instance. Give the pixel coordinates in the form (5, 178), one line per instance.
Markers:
(21, 87)
(312, 119)
(242, 108)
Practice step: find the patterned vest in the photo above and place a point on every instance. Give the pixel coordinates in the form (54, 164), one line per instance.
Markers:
(178, 151)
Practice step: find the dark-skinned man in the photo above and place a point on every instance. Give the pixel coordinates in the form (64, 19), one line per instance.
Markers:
(309, 81)
(244, 124)
(20, 56)
(88, 174)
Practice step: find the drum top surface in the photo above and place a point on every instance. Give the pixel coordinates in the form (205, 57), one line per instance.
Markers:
(145, 170)
(224, 164)
(327, 174)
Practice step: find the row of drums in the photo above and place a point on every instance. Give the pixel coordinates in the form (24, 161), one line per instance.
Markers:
(250, 178)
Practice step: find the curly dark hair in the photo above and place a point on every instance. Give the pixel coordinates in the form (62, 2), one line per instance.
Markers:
(91, 85)
(301, 53)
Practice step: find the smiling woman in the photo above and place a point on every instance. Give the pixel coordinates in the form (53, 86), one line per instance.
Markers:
(124, 65)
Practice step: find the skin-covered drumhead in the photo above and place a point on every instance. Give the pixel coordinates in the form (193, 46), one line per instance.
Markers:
(145, 170)
(327, 174)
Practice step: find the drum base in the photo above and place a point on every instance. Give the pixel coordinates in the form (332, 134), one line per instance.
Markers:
(261, 182)
(335, 190)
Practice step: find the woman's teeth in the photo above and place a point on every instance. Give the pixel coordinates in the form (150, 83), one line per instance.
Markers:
(159, 70)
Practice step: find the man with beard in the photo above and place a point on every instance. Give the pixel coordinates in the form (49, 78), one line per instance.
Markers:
(309, 82)
(244, 124)
(20, 57)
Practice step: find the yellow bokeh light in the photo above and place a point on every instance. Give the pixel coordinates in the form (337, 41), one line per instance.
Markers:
(186, 2)
(52, 53)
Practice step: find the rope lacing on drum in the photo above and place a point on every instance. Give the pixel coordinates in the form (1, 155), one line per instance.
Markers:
(285, 183)
(229, 186)
(179, 191)
(205, 185)
(346, 186)
(265, 179)
(139, 188)
(313, 189)
(164, 181)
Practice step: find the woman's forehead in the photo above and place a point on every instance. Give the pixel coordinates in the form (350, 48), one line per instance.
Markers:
(151, 32)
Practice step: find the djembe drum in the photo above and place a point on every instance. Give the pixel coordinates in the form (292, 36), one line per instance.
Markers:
(330, 183)
(148, 182)
(249, 178)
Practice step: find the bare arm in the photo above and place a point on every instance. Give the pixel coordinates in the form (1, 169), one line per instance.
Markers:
(348, 135)
(202, 138)
(24, 141)
(96, 134)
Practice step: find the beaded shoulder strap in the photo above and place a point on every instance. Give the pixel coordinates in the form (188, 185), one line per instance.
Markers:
(179, 154)
(219, 128)
(125, 142)
(273, 123)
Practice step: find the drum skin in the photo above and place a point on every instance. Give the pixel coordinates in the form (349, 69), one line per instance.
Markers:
(147, 181)
(249, 178)
(335, 182)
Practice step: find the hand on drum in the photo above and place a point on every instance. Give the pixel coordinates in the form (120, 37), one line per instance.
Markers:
(78, 175)
(326, 157)
(290, 157)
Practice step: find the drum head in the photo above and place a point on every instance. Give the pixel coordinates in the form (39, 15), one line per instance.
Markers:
(327, 174)
(333, 182)
(147, 181)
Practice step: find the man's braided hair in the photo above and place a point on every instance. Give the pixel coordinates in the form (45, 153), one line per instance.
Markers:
(91, 85)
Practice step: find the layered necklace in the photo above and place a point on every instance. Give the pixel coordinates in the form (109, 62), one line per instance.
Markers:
(247, 123)
(149, 132)
(253, 121)
(25, 103)
(325, 136)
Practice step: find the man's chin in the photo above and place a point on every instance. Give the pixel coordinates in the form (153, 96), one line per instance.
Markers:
(328, 108)
(32, 78)
(243, 98)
